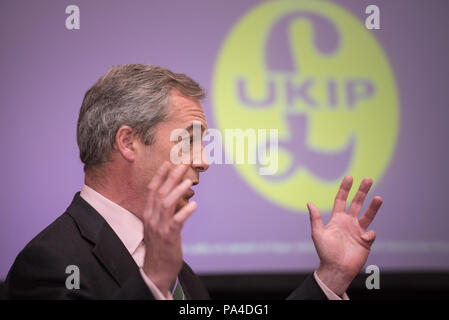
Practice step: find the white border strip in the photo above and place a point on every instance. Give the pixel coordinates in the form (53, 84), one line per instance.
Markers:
(245, 248)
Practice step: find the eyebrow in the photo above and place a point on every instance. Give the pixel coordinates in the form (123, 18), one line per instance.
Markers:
(190, 128)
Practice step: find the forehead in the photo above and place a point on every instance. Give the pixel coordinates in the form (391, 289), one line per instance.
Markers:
(184, 110)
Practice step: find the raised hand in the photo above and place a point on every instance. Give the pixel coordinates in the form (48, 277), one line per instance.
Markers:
(343, 244)
(162, 225)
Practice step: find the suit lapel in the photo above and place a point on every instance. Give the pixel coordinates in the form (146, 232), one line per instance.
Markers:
(107, 247)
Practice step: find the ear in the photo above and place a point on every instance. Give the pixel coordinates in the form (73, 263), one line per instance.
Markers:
(125, 140)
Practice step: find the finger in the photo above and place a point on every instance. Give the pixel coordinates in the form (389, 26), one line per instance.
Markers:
(184, 213)
(370, 213)
(154, 185)
(173, 179)
(342, 195)
(369, 237)
(359, 198)
(173, 197)
(315, 217)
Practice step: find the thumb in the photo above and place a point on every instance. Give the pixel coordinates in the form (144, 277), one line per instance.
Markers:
(315, 216)
(369, 236)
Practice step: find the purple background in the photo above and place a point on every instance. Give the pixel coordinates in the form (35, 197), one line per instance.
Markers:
(46, 69)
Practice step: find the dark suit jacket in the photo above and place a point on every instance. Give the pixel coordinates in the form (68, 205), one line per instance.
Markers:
(82, 237)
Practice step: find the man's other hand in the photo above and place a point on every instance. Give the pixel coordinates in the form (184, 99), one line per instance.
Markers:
(343, 244)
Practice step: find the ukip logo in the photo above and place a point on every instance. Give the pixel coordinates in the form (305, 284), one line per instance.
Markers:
(311, 70)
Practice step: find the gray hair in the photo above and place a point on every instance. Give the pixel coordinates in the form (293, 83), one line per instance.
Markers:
(134, 95)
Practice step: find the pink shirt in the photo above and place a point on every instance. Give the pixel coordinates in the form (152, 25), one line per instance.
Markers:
(129, 229)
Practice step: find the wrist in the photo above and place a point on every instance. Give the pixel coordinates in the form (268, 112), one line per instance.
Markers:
(161, 282)
(335, 279)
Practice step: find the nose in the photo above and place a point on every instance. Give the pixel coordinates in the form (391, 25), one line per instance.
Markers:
(203, 164)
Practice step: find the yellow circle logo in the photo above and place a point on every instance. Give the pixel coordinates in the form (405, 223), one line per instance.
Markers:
(312, 71)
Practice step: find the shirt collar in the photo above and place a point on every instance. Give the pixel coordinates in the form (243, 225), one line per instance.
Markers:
(126, 225)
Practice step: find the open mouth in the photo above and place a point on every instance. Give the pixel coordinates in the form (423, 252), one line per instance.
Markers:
(190, 193)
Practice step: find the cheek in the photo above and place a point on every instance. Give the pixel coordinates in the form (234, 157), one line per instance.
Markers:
(151, 160)
(145, 168)
(160, 150)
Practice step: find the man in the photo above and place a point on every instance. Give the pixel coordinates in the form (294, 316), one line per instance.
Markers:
(121, 235)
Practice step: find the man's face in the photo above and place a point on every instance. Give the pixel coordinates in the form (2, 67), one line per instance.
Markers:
(183, 111)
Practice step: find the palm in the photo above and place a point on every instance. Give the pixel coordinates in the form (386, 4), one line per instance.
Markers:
(343, 244)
